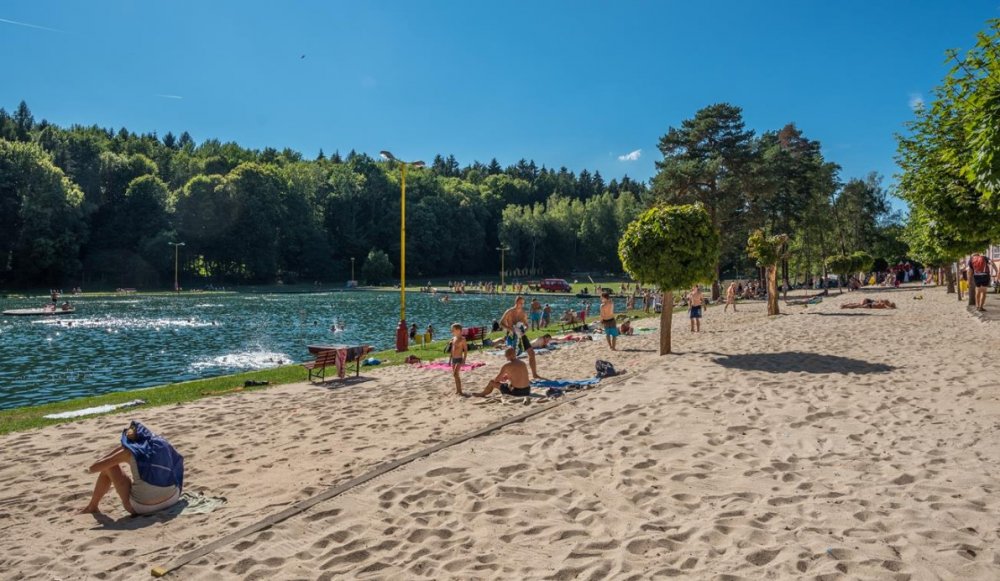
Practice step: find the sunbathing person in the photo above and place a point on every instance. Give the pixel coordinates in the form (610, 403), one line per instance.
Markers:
(515, 372)
(542, 342)
(870, 304)
(157, 472)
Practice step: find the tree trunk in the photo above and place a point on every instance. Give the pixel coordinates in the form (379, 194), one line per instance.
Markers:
(716, 285)
(666, 319)
(772, 290)
(972, 288)
(958, 283)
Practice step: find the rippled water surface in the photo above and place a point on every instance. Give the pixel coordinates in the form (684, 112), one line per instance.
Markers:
(121, 343)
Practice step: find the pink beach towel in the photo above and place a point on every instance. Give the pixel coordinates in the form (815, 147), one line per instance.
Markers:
(446, 367)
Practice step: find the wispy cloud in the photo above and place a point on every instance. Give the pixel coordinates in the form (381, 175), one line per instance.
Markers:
(168, 96)
(27, 25)
(916, 101)
(631, 156)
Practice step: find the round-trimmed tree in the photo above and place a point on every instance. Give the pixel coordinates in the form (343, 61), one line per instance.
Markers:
(841, 265)
(861, 261)
(672, 247)
(769, 251)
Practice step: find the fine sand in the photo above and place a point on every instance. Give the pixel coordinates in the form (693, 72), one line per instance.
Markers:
(821, 444)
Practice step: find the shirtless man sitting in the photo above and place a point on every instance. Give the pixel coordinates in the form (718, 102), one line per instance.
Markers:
(515, 372)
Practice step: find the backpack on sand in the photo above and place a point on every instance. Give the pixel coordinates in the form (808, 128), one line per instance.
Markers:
(605, 369)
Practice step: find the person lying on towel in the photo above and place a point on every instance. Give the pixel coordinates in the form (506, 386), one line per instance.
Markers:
(513, 378)
(870, 304)
(157, 472)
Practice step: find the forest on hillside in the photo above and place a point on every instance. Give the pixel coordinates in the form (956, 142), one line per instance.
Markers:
(93, 207)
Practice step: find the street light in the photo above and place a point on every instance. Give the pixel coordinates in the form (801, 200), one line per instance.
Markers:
(176, 246)
(502, 248)
(401, 334)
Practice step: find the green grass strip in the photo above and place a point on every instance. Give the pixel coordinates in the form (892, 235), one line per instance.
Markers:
(26, 418)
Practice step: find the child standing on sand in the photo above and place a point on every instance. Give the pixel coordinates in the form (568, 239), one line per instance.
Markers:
(459, 349)
(695, 303)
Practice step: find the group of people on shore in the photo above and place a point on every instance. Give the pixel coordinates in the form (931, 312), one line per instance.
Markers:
(514, 377)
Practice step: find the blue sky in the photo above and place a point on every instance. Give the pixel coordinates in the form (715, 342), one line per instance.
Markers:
(574, 83)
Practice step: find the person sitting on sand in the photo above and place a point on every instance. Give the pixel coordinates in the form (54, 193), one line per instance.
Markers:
(626, 327)
(870, 304)
(569, 318)
(157, 472)
(515, 372)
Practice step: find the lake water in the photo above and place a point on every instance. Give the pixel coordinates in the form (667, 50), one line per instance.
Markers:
(121, 343)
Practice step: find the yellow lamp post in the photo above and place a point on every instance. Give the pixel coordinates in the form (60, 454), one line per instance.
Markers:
(401, 332)
(176, 246)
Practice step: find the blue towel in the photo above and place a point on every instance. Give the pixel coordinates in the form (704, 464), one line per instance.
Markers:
(565, 383)
(159, 464)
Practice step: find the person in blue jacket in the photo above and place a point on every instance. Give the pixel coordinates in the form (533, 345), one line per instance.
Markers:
(157, 472)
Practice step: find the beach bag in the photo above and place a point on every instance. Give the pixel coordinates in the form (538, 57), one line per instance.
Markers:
(605, 369)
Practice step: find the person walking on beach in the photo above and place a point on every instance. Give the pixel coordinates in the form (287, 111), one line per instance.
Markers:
(695, 303)
(608, 320)
(536, 315)
(546, 315)
(981, 268)
(730, 297)
(515, 322)
(512, 379)
(459, 349)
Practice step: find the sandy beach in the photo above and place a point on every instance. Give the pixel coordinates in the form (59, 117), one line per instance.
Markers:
(821, 444)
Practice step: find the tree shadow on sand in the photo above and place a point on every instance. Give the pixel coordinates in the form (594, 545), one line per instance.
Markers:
(800, 362)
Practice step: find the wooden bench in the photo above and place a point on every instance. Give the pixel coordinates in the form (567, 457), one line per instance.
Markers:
(328, 358)
(472, 334)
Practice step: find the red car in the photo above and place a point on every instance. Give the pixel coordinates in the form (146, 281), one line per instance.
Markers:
(555, 285)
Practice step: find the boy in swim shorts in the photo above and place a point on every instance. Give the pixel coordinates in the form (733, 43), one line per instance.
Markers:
(459, 349)
(695, 303)
(608, 320)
